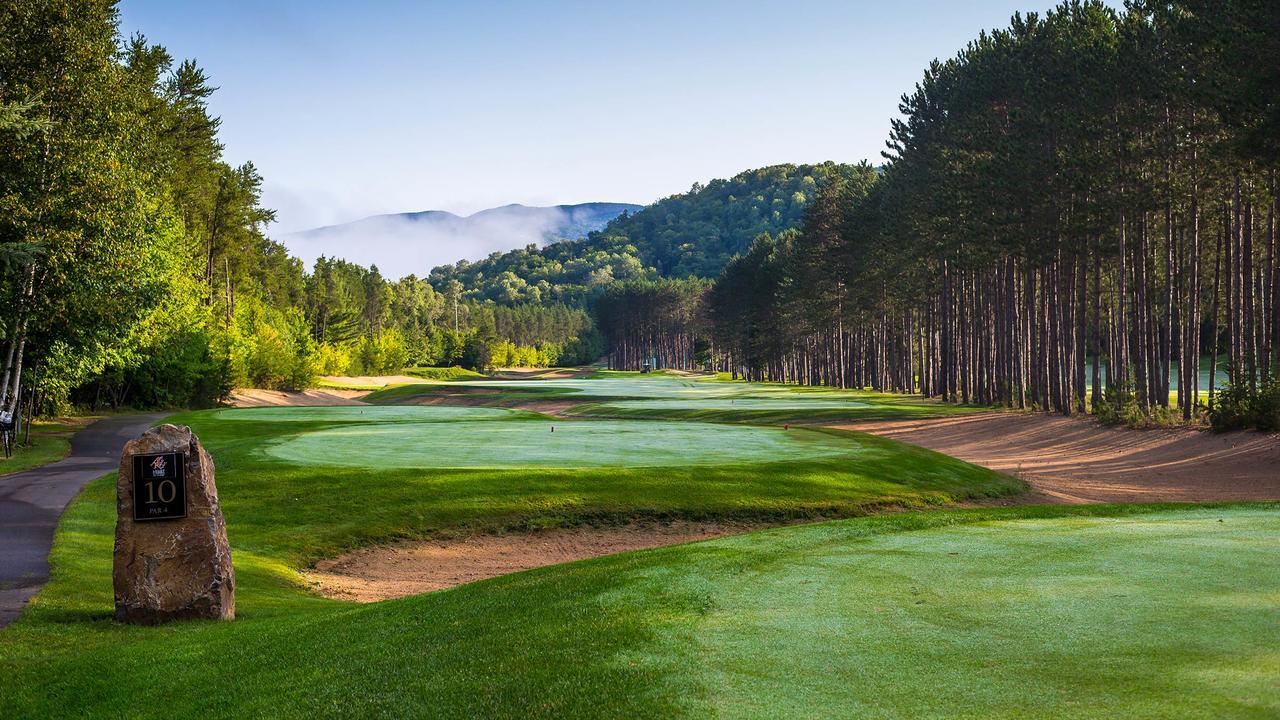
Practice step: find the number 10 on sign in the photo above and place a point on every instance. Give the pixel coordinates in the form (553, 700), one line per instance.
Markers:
(159, 487)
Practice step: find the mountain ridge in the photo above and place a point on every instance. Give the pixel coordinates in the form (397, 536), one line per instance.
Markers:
(416, 242)
(418, 215)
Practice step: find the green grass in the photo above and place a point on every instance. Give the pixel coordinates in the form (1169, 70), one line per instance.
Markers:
(1095, 612)
(442, 373)
(296, 510)
(50, 442)
(1072, 612)
(550, 443)
(630, 395)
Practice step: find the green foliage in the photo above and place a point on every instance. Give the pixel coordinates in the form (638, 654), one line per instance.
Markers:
(696, 233)
(566, 273)
(383, 354)
(644, 320)
(688, 234)
(1119, 406)
(268, 348)
(1237, 407)
(442, 373)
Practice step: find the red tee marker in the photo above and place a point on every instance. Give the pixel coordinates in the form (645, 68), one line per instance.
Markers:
(786, 427)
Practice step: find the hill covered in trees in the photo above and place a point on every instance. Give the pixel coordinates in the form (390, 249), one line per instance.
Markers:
(691, 234)
(696, 233)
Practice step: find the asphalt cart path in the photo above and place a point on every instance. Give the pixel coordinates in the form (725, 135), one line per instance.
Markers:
(32, 501)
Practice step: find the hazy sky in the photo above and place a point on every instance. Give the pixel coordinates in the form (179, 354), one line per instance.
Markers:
(356, 108)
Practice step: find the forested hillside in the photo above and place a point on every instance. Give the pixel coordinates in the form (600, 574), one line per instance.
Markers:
(695, 233)
(690, 234)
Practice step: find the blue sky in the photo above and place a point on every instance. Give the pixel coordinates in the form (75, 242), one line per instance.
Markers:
(356, 108)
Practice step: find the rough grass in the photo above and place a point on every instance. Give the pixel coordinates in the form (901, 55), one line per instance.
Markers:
(50, 442)
(442, 373)
(1094, 612)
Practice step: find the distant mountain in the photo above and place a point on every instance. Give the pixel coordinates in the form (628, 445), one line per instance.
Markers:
(697, 232)
(692, 233)
(413, 243)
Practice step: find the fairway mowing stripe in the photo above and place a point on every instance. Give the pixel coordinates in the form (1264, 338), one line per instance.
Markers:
(519, 443)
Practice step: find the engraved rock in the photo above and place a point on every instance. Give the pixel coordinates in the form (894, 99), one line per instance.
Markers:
(172, 560)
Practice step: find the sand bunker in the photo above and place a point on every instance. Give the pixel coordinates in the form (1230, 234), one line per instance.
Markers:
(381, 573)
(1075, 460)
(253, 397)
(371, 380)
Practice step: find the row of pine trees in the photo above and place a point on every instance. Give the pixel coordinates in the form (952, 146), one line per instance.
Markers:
(1077, 213)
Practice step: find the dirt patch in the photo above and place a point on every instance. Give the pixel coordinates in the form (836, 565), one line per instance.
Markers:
(1075, 460)
(408, 568)
(540, 373)
(321, 397)
(371, 380)
(485, 397)
(554, 408)
(689, 373)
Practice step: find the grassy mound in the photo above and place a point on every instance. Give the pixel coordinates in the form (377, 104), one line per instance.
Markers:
(442, 373)
(1048, 612)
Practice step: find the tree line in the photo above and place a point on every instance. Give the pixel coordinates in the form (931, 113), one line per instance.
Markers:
(1076, 212)
(134, 264)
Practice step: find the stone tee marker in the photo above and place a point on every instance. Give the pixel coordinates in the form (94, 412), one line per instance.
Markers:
(172, 560)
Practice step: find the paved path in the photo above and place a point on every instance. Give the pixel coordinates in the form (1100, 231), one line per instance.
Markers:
(32, 501)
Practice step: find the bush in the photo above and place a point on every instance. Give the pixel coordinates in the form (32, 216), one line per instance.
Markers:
(1238, 408)
(1119, 406)
(477, 353)
(332, 359)
(1268, 406)
(387, 353)
(266, 348)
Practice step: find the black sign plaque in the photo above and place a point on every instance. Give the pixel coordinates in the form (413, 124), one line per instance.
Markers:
(159, 487)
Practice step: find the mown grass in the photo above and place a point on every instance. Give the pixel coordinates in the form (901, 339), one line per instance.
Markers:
(633, 395)
(864, 406)
(50, 442)
(1092, 612)
(301, 512)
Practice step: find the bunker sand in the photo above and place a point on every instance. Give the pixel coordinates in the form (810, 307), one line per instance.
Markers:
(1075, 460)
(408, 568)
(253, 397)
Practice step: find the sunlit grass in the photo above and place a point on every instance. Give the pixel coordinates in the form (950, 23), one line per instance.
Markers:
(1092, 612)
(50, 442)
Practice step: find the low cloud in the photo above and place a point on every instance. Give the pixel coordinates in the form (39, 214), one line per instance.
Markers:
(414, 243)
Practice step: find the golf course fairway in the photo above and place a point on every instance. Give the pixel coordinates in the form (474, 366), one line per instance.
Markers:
(561, 444)
(1071, 612)
(1091, 612)
(661, 396)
